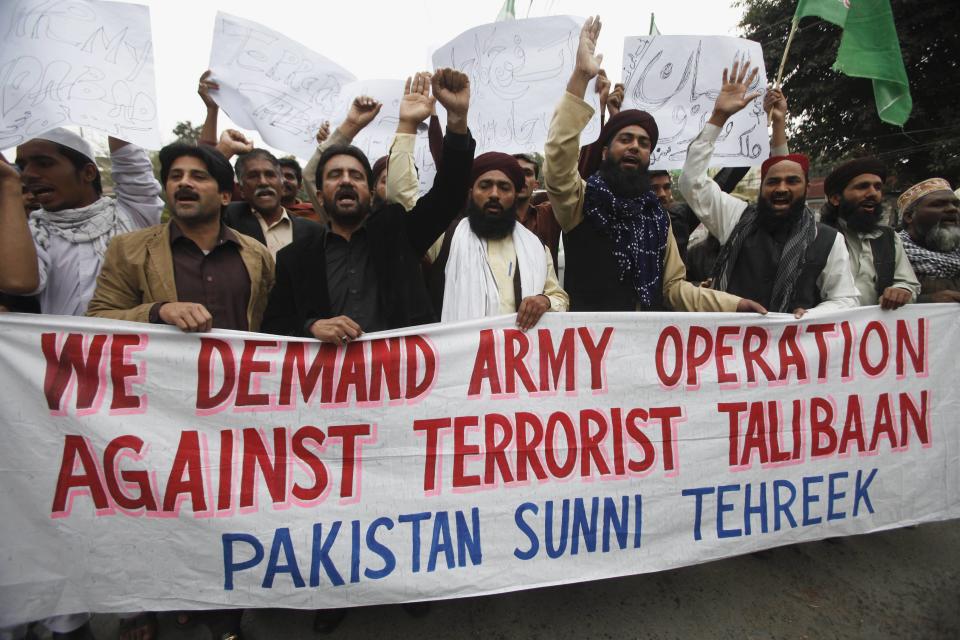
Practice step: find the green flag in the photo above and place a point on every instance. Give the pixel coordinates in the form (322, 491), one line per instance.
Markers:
(834, 11)
(869, 48)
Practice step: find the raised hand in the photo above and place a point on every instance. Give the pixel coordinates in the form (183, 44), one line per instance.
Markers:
(775, 104)
(323, 132)
(734, 94)
(452, 89)
(588, 61)
(417, 104)
(205, 87)
(233, 143)
(602, 87)
(615, 101)
(363, 110)
(9, 173)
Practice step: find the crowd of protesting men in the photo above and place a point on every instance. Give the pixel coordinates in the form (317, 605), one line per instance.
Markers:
(241, 251)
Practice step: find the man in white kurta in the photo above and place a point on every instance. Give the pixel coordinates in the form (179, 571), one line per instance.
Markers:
(76, 221)
(490, 264)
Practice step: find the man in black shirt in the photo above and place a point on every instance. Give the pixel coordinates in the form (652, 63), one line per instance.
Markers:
(362, 272)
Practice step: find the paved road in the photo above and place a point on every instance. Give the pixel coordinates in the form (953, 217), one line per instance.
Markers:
(897, 584)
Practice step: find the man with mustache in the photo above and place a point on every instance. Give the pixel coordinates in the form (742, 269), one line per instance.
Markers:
(261, 215)
(76, 221)
(854, 207)
(291, 175)
(488, 264)
(775, 251)
(931, 238)
(620, 253)
(361, 272)
(192, 272)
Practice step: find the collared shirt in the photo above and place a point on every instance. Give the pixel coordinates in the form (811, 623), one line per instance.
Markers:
(502, 258)
(864, 271)
(218, 279)
(352, 281)
(279, 234)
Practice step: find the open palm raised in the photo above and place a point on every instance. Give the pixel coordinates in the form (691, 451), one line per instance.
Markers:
(734, 94)
(417, 104)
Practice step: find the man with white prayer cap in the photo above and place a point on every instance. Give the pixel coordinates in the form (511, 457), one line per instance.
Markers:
(76, 221)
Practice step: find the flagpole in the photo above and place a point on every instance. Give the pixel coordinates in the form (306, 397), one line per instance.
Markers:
(786, 49)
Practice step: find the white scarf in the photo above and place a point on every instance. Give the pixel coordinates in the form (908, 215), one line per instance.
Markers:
(470, 290)
(96, 223)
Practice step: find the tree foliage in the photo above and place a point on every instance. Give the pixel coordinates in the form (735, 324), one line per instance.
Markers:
(833, 116)
(186, 132)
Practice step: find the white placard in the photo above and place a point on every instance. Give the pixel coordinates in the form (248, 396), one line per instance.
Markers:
(82, 63)
(518, 72)
(677, 79)
(273, 84)
(375, 139)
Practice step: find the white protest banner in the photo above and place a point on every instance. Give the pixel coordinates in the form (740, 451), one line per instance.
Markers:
(273, 84)
(518, 72)
(77, 62)
(147, 469)
(375, 139)
(677, 79)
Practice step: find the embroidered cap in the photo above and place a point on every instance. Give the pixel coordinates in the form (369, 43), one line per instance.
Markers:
(917, 191)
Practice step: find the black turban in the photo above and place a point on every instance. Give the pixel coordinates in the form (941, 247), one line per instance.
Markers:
(496, 161)
(592, 156)
(841, 176)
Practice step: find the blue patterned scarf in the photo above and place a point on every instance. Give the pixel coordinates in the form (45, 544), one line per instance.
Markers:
(638, 228)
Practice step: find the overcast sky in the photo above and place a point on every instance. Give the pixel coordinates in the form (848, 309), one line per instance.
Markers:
(388, 39)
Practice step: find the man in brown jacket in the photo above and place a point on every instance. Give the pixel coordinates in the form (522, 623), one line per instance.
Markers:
(192, 272)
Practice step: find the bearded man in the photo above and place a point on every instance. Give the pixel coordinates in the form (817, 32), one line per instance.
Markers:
(931, 238)
(774, 251)
(854, 207)
(488, 264)
(620, 253)
(361, 272)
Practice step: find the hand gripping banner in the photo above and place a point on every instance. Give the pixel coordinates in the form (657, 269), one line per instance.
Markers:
(146, 469)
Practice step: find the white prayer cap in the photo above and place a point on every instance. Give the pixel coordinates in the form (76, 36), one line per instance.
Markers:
(69, 139)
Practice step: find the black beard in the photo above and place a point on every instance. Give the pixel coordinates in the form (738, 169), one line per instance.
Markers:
(624, 183)
(860, 220)
(771, 222)
(491, 226)
(351, 219)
